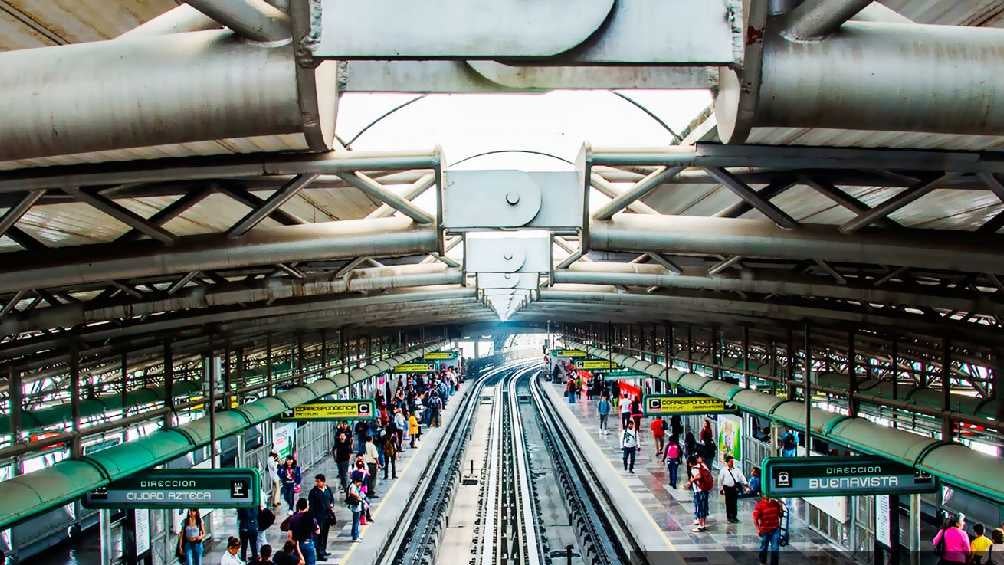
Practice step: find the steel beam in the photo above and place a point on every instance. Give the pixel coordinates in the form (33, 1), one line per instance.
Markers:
(376, 190)
(329, 240)
(815, 19)
(636, 192)
(277, 199)
(902, 199)
(742, 190)
(414, 191)
(757, 238)
(611, 191)
(766, 193)
(121, 214)
(845, 200)
(254, 19)
(170, 212)
(15, 213)
(251, 201)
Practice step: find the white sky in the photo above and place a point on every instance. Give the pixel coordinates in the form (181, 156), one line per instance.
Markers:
(557, 122)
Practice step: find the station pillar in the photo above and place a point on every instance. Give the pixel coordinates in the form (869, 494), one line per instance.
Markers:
(914, 529)
(105, 535)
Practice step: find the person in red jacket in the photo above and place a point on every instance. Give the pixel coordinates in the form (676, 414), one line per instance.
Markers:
(767, 519)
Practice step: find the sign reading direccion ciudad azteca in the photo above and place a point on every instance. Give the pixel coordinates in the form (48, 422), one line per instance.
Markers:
(406, 368)
(667, 405)
(181, 488)
(568, 353)
(842, 476)
(440, 356)
(332, 410)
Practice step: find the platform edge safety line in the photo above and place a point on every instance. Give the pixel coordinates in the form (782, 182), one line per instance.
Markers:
(375, 536)
(647, 533)
(20, 505)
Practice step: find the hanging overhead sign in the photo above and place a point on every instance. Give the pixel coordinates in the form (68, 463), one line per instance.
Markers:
(440, 356)
(667, 405)
(617, 374)
(595, 364)
(568, 353)
(842, 476)
(415, 368)
(181, 488)
(332, 410)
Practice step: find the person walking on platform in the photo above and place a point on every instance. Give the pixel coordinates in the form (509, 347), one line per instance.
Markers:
(355, 501)
(265, 558)
(321, 502)
(362, 430)
(390, 448)
(603, 408)
(412, 428)
(629, 445)
(701, 481)
(343, 458)
(995, 555)
(658, 427)
(789, 444)
(707, 434)
(190, 538)
(732, 483)
(980, 545)
(690, 446)
(247, 529)
(372, 460)
(755, 487)
(625, 407)
(673, 455)
(767, 519)
(435, 406)
(272, 465)
(636, 414)
(302, 530)
(952, 541)
(289, 474)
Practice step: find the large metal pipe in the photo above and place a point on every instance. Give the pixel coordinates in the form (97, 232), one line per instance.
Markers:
(814, 19)
(603, 273)
(330, 240)
(147, 90)
(760, 238)
(253, 19)
(269, 290)
(873, 76)
(180, 19)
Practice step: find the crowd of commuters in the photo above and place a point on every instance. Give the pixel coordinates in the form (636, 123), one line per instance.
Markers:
(360, 452)
(955, 546)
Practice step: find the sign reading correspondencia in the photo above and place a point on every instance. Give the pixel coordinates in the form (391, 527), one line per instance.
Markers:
(568, 353)
(666, 405)
(332, 410)
(842, 476)
(181, 488)
(594, 364)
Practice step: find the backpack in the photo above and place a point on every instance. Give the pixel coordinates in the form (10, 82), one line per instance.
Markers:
(788, 442)
(705, 481)
(673, 452)
(265, 519)
(633, 442)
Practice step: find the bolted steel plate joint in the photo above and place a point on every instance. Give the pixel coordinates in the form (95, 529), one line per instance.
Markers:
(512, 198)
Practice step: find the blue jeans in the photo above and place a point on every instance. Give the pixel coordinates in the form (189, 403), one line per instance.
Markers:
(674, 467)
(287, 494)
(629, 455)
(309, 554)
(701, 503)
(771, 540)
(355, 524)
(193, 553)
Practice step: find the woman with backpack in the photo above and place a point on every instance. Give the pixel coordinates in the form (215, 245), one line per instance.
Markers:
(702, 482)
(672, 456)
(952, 541)
(629, 445)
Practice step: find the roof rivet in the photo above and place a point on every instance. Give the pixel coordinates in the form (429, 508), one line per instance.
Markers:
(512, 198)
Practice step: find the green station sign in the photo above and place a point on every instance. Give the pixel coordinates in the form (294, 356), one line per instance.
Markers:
(410, 368)
(842, 476)
(595, 364)
(332, 411)
(668, 405)
(623, 374)
(568, 353)
(440, 356)
(181, 488)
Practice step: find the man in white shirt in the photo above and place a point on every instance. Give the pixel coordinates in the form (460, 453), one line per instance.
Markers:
(230, 555)
(731, 479)
(372, 459)
(272, 464)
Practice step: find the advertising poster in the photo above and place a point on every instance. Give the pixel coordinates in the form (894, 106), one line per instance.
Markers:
(730, 430)
(282, 439)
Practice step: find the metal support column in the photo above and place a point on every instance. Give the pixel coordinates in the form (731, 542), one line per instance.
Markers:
(105, 535)
(76, 448)
(746, 357)
(299, 358)
(15, 394)
(341, 351)
(324, 352)
(124, 383)
(772, 365)
(690, 348)
(789, 370)
(227, 377)
(168, 384)
(210, 374)
(852, 377)
(268, 363)
(807, 390)
(667, 348)
(914, 529)
(895, 381)
(947, 425)
(716, 366)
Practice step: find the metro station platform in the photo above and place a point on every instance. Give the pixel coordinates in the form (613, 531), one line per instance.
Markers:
(672, 510)
(387, 509)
